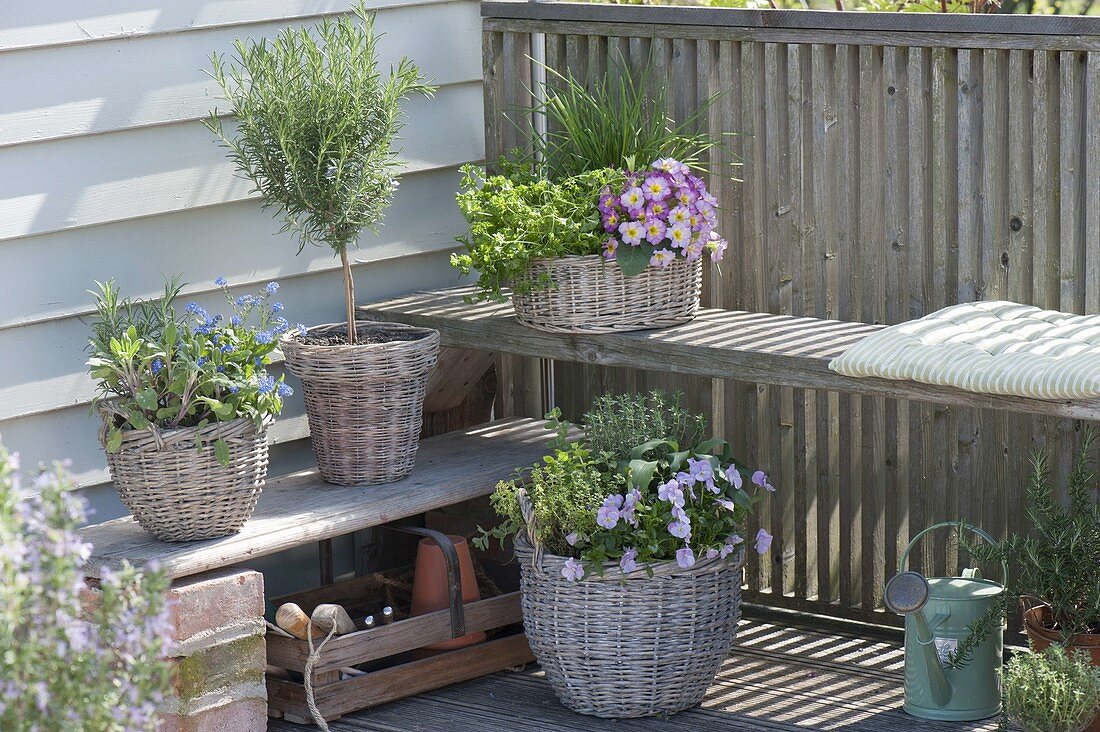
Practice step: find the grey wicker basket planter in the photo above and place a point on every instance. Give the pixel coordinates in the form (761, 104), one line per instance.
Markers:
(179, 493)
(630, 645)
(364, 402)
(591, 295)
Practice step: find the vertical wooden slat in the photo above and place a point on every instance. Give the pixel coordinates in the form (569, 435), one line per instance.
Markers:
(1071, 293)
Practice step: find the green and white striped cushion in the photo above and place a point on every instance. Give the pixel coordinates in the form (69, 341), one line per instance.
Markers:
(992, 347)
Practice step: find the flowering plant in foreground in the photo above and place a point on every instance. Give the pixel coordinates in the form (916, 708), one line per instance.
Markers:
(66, 663)
(656, 503)
(658, 215)
(161, 369)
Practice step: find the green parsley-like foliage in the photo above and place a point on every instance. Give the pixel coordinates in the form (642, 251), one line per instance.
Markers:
(1052, 691)
(615, 120)
(73, 659)
(517, 217)
(159, 369)
(316, 122)
(618, 422)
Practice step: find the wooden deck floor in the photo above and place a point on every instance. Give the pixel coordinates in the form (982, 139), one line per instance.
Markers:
(777, 678)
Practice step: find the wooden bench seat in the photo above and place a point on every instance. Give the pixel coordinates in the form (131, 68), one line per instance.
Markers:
(779, 350)
(300, 508)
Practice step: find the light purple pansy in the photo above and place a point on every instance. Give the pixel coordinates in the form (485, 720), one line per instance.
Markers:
(734, 539)
(679, 529)
(607, 516)
(628, 562)
(763, 541)
(727, 504)
(572, 570)
(671, 492)
(725, 551)
(685, 557)
(733, 475)
(571, 539)
(712, 553)
(760, 478)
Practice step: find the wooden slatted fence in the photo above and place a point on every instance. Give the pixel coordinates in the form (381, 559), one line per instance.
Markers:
(890, 165)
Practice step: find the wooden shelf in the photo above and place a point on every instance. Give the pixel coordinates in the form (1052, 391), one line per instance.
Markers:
(779, 350)
(300, 508)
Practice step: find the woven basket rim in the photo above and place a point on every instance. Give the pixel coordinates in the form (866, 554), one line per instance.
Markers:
(291, 338)
(179, 434)
(613, 573)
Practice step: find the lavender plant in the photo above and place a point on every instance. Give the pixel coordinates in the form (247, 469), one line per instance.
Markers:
(157, 368)
(656, 502)
(316, 121)
(71, 658)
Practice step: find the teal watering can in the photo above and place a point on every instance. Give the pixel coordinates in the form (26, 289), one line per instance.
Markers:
(938, 614)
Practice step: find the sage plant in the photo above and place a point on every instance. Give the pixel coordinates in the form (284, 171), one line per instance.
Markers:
(72, 658)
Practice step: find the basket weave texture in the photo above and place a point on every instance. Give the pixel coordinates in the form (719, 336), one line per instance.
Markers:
(591, 295)
(629, 645)
(179, 493)
(364, 402)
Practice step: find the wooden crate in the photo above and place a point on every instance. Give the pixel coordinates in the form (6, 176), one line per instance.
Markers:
(387, 656)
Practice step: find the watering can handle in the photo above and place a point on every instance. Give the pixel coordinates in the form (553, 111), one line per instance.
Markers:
(945, 524)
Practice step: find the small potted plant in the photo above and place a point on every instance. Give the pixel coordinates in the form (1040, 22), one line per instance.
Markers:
(186, 401)
(1052, 690)
(74, 658)
(604, 228)
(316, 121)
(637, 530)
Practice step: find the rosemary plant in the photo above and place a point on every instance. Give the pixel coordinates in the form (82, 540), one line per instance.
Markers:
(316, 120)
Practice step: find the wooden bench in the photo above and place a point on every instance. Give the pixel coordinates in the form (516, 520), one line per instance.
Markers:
(300, 509)
(778, 350)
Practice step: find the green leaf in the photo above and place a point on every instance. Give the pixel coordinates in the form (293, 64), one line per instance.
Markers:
(147, 399)
(221, 452)
(114, 440)
(641, 472)
(677, 460)
(714, 446)
(640, 451)
(633, 260)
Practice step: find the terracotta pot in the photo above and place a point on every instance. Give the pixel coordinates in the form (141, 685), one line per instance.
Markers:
(430, 591)
(1037, 621)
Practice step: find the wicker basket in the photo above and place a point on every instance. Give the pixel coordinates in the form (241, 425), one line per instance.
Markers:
(179, 493)
(364, 402)
(630, 645)
(591, 295)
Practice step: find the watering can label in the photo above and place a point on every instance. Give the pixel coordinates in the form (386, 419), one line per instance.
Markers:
(944, 648)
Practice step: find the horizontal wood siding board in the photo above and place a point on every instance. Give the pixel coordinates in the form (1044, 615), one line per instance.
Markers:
(312, 298)
(38, 25)
(166, 79)
(755, 347)
(978, 24)
(841, 36)
(299, 509)
(96, 179)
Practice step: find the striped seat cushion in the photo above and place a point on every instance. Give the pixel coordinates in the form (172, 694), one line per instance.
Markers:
(991, 347)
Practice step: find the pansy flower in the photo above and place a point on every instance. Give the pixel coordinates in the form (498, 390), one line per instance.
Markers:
(571, 539)
(763, 541)
(679, 529)
(760, 478)
(671, 492)
(733, 475)
(629, 563)
(685, 557)
(572, 570)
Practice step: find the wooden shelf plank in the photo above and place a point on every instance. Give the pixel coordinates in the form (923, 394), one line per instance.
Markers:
(300, 508)
(780, 350)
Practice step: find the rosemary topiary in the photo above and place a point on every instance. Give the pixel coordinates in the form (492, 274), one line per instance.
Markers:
(1052, 691)
(316, 121)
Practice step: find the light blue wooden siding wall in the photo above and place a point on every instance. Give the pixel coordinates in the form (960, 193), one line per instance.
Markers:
(106, 172)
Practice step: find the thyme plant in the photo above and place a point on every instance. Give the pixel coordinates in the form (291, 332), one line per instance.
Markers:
(70, 659)
(316, 121)
(1052, 691)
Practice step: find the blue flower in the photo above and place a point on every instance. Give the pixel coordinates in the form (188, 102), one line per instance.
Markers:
(201, 362)
(272, 288)
(157, 365)
(276, 307)
(281, 325)
(235, 320)
(264, 337)
(227, 348)
(221, 369)
(283, 390)
(302, 329)
(258, 361)
(193, 307)
(233, 388)
(220, 282)
(267, 385)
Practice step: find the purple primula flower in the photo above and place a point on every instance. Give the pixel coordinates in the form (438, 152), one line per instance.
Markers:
(662, 258)
(607, 201)
(733, 475)
(716, 246)
(654, 230)
(610, 248)
(763, 541)
(693, 251)
(633, 200)
(671, 492)
(656, 209)
(629, 563)
(685, 557)
(632, 232)
(679, 529)
(611, 221)
(680, 235)
(679, 216)
(571, 539)
(670, 165)
(572, 570)
(656, 188)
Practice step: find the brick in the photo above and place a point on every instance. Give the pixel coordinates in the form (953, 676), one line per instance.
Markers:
(240, 662)
(213, 600)
(245, 715)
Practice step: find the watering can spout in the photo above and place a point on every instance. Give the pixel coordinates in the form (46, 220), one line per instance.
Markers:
(906, 594)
